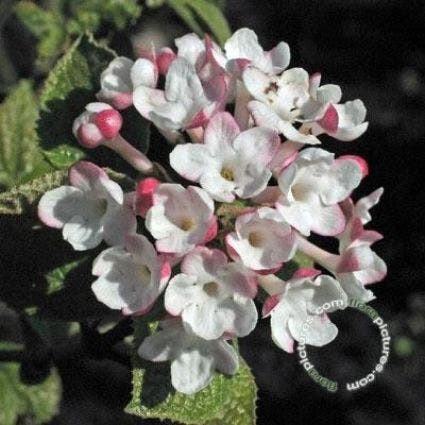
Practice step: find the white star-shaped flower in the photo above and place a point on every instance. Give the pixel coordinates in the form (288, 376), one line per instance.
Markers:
(180, 218)
(262, 240)
(312, 187)
(213, 297)
(93, 208)
(298, 308)
(132, 277)
(229, 163)
(193, 359)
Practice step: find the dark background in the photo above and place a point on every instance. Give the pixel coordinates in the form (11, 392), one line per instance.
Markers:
(375, 50)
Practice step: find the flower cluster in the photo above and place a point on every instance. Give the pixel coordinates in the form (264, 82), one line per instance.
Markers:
(244, 130)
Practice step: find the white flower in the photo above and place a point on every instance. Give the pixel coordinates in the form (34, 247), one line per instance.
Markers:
(262, 240)
(209, 62)
(122, 76)
(130, 278)
(193, 359)
(213, 297)
(180, 218)
(322, 113)
(182, 105)
(312, 187)
(243, 49)
(195, 51)
(278, 101)
(229, 162)
(359, 264)
(298, 308)
(92, 209)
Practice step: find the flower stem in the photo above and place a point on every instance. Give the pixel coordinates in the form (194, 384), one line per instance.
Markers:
(134, 157)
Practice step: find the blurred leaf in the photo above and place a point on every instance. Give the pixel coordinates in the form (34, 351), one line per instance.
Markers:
(154, 3)
(23, 199)
(70, 86)
(36, 403)
(226, 401)
(56, 277)
(19, 151)
(88, 15)
(47, 26)
(198, 14)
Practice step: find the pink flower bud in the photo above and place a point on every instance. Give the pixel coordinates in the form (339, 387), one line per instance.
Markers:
(89, 135)
(109, 122)
(144, 195)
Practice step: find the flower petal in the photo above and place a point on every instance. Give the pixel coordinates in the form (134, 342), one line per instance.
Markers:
(192, 370)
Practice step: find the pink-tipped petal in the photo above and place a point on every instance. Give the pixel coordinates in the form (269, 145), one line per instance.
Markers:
(330, 120)
(122, 100)
(84, 175)
(164, 59)
(361, 162)
(89, 136)
(143, 199)
(212, 230)
(270, 304)
(306, 272)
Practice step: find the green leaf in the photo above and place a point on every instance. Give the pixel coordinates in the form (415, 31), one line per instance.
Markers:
(199, 14)
(22, 200)
(70, 86)
(47, 26)
(227, 400)
(56, 277)
(35, 404)
(300, 260)
(19, 150)
(88, 15)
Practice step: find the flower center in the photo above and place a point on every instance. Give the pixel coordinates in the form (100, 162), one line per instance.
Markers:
(227, 174)
(144, 274)
(298, 192)
(255, 239)
(186, 224)
(101, 206)
(211, 288)
(273, 87)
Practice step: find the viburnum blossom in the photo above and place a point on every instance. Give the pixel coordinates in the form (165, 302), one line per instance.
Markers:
(193, 359)
(213, 296)
(183, 104)
(214, 225)
(262, 240)
(131, 277)
(229, 163)
(243, 49)
(296, 308)
(322, 113)
(180, 218)
(93, 208)
(312, 186)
